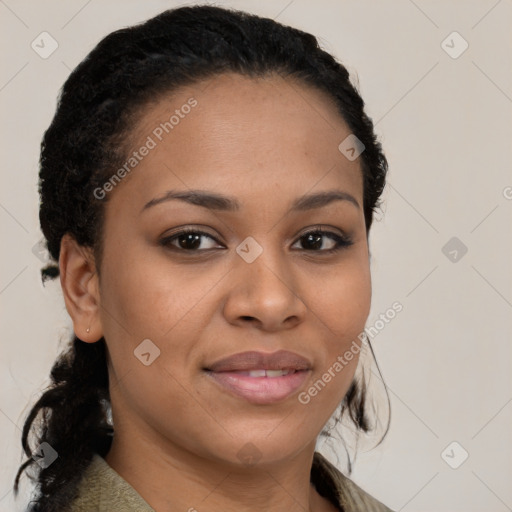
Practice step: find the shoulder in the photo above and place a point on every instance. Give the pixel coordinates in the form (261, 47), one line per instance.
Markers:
(334, 485)
(102, 489)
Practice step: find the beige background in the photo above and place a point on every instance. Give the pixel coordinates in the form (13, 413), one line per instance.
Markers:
(446, 128)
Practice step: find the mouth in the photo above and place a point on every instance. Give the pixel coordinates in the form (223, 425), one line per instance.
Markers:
(260, 378)
(266, 373)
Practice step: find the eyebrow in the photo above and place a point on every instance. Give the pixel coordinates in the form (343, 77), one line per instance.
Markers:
(220, 202)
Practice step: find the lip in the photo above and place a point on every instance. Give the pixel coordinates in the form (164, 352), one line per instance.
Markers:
(231, 374)
(254, 360)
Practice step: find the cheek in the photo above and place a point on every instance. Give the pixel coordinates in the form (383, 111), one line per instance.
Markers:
(145, 296)
(345, 298)
(344, 304)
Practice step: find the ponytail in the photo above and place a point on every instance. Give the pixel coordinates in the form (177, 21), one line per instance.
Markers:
(72, 419)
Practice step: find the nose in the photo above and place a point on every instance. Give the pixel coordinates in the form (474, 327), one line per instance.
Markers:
(264, 293)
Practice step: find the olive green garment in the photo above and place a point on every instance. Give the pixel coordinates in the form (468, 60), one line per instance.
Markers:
(103, 490)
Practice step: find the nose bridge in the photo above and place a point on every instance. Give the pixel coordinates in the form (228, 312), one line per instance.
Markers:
(264, 261)
(264, 287)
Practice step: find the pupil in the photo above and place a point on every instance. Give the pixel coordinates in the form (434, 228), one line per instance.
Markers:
(187, 238)
(319, 240)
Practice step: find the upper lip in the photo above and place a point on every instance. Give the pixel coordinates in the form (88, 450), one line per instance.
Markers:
(245, 361)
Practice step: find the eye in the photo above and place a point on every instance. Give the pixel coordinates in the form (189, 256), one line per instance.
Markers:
(188, 239)
(316, 238)
(191, 240)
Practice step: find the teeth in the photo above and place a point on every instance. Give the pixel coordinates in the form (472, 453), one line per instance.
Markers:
(277, 373)
(268, 373)
(257, 373)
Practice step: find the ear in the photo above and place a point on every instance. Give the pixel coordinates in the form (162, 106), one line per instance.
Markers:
(80, 286)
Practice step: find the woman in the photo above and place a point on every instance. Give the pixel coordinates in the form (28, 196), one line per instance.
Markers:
(207, 188)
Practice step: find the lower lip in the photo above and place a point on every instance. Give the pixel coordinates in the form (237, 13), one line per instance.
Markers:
(261, 390)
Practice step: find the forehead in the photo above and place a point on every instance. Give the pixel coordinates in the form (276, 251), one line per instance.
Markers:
(244, 134)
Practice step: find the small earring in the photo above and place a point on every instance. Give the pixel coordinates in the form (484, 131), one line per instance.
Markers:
(88, 329)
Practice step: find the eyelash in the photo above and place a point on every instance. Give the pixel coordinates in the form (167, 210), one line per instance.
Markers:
(342, 242)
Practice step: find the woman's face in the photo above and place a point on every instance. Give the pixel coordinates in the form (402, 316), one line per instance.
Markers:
(247, 279)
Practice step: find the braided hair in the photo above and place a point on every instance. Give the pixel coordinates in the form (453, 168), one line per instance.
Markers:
(87, 138)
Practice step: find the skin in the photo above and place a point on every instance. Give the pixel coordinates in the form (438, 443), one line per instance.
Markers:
(264, 141)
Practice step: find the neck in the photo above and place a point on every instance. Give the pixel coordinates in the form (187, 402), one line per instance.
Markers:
(173, 479)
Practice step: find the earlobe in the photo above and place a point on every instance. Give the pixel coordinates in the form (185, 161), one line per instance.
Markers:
(79, 282)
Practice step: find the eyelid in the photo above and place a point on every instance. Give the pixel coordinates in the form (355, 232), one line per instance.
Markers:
(322, 228)
(167, 238)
